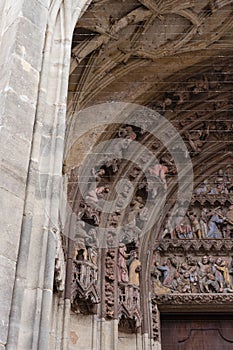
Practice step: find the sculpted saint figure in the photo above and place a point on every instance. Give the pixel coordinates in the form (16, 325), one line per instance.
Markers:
(123, 275)
(134, 269)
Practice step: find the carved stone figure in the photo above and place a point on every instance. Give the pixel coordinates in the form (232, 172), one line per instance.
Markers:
(183, 230)
(189, 274)
(167, 270)
(80, 244)
(168, 230)
(195, 225)
(96, 194)
(203, 223)
(89, 214)
(136, 206)
(224, 279)
(91, 244)
(123, 275)
(229, 220)
(134, 269)
(204, 188)
(221, 183)
(213, 230)
(119, 146)
(159, 171)
(127, 132)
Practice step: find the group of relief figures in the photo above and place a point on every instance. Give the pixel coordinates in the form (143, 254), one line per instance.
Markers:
(201, 224)
(192, 275)
(220, 184)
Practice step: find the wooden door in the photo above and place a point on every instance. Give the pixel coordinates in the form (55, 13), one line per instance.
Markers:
(197, 332)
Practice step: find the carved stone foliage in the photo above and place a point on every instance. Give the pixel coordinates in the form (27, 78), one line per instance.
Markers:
(193, 299)
(110, 277)
(155, 320)
(84, 293)
(192, 246)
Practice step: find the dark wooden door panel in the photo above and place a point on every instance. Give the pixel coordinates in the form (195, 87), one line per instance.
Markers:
(197, 332)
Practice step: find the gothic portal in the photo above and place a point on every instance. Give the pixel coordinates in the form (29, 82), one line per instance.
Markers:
(116, 175)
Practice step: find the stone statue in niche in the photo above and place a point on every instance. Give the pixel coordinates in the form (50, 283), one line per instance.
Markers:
(80, 244)
(118, 146)
(155, 180)
(134, 269)
(85, 244)
(221, 183)
(180, 274)
(91, 245)
(123, 275)
(135, 208)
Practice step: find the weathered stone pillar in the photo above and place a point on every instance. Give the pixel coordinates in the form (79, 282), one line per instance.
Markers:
(35, 56)
(22, 30)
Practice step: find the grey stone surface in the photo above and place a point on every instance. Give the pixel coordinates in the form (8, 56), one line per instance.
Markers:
(14, 165)
(36, 12)
(6, 51)
(20, 113)
(129, 341)
(30, 42)
(24, 78)
(10, 10)
(7, 273)
(10, 218)
(79, 337)
(29, 320)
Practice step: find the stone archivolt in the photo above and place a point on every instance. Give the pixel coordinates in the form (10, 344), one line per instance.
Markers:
(201, 233)
(205, 126)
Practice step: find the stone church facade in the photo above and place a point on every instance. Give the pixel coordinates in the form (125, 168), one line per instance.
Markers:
(116, 175)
